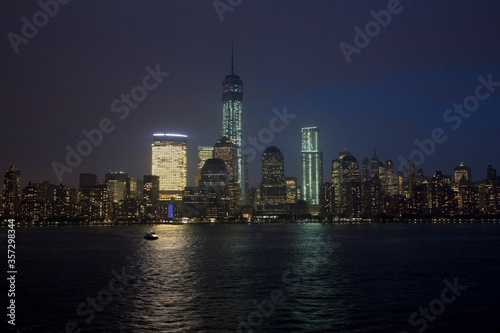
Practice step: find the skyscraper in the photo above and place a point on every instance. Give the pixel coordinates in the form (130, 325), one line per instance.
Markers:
(337, 183)
(11, 196)
(366, 167)
(95, 204)
(411, 177)
(410, 168)
(204, 153)
(151, 189)
(131, 189)
(116, 183)
(151, 194)
(215, 184)
(169, 163)
(64, 203)
(375, 165)
(273, 186)
(390, 183)
(291, 190)
(226, 150)
(346, 184)
(33, 205)
(232, 109)
(350, 167)
(312, 168)
(327, 200)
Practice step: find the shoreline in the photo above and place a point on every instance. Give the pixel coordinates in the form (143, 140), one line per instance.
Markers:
(138, 223)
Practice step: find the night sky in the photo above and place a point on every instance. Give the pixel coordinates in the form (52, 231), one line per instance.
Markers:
(395, 90)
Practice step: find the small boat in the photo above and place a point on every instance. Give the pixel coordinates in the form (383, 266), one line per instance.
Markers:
(151, 236)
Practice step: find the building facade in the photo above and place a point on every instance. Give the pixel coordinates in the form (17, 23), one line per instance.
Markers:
(273, 185)
(226, 150)
(312, 168)
(169, 163)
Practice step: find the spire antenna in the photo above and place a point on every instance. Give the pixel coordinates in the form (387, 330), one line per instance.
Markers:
(232, 58)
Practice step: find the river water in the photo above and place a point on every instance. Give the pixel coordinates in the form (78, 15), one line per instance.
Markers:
(259, 278)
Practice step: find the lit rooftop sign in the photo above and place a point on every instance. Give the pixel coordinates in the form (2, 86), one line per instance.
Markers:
(166, 134)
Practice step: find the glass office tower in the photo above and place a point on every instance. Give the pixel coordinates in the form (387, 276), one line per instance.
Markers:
(169, 163)
(312, 168)
(232, 108)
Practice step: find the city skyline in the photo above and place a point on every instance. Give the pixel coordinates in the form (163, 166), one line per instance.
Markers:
(395, 92)
(329, 167)
(379, 195)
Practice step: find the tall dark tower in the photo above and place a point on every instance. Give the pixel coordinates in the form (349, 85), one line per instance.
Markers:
(225, 150)
(273, 186)
(366, 167)
(232, 109)
(375, 165)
